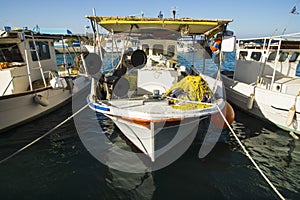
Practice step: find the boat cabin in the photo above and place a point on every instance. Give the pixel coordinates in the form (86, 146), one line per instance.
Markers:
(28, 61)
(146, 66)
(153, 66)
(21, 56)
(265, 60)
(162, 53)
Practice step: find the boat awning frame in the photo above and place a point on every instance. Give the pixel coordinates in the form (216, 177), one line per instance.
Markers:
(186, 26)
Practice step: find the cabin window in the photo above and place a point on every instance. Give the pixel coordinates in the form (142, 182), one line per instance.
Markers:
(145, 48)
(171, 50)
(294, 57)
(298, 69)
(42, 49)
(158, 49)
(243, 55)
(256, 56)
(10, 53)
(283, 56)
(272, 56)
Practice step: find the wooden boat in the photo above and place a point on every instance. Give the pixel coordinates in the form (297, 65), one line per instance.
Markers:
(31, 83)
(156, 102)
(264, 82)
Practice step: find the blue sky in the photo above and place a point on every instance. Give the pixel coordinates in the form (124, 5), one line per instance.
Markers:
(251, 17)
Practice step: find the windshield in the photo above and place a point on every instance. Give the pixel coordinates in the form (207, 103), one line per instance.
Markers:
(10, 53)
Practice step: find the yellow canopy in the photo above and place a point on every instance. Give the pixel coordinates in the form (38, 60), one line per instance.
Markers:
(186, 26)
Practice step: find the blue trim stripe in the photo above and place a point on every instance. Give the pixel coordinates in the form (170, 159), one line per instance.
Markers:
(97, 107)
(101, 108)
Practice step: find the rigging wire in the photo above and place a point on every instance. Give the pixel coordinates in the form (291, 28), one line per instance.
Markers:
(44, 135)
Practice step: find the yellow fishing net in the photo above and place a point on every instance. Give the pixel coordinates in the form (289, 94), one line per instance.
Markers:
(192, 88)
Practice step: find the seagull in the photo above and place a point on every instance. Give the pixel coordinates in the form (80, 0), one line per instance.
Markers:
(294, 10)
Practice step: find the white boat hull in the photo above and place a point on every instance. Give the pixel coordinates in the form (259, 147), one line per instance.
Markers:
(157, 139)
(154, 128)
(268, 105)
(20, 108)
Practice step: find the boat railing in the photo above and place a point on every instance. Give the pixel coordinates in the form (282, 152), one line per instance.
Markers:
(265, 42)
(267, 46)
(37, 56)
(11, 80)
(275, 64)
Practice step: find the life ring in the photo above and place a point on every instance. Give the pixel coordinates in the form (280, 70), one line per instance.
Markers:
(216, 45)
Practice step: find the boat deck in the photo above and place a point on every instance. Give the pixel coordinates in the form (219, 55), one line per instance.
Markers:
(158, 108)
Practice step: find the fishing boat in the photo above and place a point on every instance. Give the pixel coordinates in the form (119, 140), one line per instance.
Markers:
(153, 99)
(264, 82)
(31, 82)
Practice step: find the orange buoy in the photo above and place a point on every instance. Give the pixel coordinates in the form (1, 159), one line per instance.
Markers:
(215, 45)
(218, 120)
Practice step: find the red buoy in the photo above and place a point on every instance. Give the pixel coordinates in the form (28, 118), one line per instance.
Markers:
(218, 120)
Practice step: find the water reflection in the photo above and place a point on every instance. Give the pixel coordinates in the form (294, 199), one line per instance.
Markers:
(275, 151)
(123, 185)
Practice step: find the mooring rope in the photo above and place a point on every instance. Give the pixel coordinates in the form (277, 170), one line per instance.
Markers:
(249, 156)
(44, 135)
(224, 118)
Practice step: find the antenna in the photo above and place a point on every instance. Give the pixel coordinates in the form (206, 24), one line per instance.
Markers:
(142, 13)
(174, 11)
(160, 15)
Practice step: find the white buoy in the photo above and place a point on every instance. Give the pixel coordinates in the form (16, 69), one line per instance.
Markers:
(291, 115)
(250, 102)
(43, 101)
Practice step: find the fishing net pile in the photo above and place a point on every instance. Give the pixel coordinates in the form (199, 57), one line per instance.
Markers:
(190, 93)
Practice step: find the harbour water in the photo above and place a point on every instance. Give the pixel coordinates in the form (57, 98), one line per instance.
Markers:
(60, 167)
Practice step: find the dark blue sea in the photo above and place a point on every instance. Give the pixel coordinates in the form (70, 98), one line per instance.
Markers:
(60, 167)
